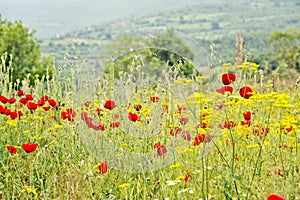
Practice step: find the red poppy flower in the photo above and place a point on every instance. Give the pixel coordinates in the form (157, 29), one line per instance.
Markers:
(186, 178)
(23, 101)
(88, 120)
(98, 110)
(204, 115)
(165, 108)
(96, 127)
(29, 97)
(247, 115)
(69, 114)
(45, 98)
(284, 146)
(236, 158)
(52, 102)
(116, 116)
(64, 115)
(161, 150)
(5, 111)
(228, 78)
(11, 100)
(32, 105)
(260, 131)
(186, 135)
(138, 107)
(114, 124)
(226, 88)
(13, 115)
(46, 108)
(183, 120)
(3, 99)
(246, 123)
(199, 139)
(110, 104)
(133, 117)
(178, 129)
(275, 197)
(246, 92)
(202, 125)
(87, 104)
(202, 138)
(29, 147)
(103, 167)
(20, 93)
(181, 110)
(20, 114)
(287, 129)
(12, 149)
(83, 115)
(40, 102)
(227, 124)
(154, 99)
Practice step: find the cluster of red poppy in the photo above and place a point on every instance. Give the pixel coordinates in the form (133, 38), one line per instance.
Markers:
(69, 114)
(228, 79)
(247, 118)
(260, 131)
(110, 105)
(227, 124)
(29, 147)
(175, 131)
(25, 100)
(202, 138)
(287, 129)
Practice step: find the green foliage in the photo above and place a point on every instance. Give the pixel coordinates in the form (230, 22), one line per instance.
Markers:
(287, 48)
(164, 50)
(181, 52)
(17, 43)
(284, 57)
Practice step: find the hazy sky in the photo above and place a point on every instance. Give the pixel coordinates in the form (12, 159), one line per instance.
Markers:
(51, 16)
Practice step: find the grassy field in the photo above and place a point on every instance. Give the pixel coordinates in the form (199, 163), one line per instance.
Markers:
(229, 134)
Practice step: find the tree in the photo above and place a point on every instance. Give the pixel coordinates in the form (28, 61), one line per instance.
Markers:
(287, 48)
(155, 52)
(173, 50)
(19, 44)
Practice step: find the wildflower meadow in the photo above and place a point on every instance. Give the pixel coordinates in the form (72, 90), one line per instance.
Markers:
(228, 132)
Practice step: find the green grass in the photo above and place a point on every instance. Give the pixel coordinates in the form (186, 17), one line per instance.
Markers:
(240, 162)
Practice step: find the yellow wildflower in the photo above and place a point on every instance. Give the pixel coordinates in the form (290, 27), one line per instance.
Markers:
(57, 126)
(11, 122)
(38, 117)
(30, 190)
(175, 166)
(124, 185)
(179, 178)
(226, 64)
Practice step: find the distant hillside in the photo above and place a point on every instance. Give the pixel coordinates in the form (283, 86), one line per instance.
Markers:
(208, 23)
(49, 17)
